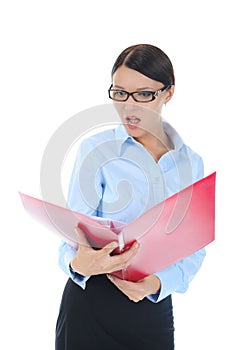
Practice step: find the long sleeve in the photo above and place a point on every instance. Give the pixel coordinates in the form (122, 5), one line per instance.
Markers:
(66, 254)
(109, 181)
(76, 201)
(177, 277)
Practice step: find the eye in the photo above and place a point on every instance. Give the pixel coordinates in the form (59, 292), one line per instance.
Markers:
(119, 93)
(144, 94)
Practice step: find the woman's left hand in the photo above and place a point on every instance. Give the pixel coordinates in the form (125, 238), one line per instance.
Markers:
(136, 291)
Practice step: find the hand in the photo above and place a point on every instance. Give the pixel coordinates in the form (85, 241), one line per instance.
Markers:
(89, 261)
(136, 291)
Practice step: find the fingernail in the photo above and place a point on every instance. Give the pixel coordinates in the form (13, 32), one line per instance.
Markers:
(114, 245)
(110, 277)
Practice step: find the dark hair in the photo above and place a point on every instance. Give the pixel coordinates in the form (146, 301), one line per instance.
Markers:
(148, 60)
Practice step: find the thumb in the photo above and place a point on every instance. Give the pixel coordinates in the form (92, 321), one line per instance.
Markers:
(82, 239)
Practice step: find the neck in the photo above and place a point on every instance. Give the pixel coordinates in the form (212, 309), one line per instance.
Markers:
(157, 145)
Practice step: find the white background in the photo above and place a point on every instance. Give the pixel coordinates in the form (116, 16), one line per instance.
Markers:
(56, 58)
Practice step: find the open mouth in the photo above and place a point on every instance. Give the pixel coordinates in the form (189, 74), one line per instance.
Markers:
(132, 121)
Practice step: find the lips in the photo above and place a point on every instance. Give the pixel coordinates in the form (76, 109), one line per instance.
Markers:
(132, 120)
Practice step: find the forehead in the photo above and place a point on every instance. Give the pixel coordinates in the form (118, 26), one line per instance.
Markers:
(129, 79)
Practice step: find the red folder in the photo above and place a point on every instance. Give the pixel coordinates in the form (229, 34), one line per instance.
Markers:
(167, 233)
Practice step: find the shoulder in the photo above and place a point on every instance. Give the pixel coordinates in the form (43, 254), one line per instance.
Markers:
(185, 153)
(90, 142)
(98, 137)
(196, 162)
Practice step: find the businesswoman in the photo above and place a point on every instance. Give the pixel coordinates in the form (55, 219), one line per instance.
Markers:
(119, 174)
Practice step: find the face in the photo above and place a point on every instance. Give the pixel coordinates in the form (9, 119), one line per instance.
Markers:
(139, 118)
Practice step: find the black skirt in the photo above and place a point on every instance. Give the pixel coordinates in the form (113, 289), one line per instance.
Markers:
(102, 317)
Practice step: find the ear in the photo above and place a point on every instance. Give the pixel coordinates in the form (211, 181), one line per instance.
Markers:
(169, 94)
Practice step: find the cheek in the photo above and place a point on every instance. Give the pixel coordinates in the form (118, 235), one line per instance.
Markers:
(119, 108)
(147, 113)
(157, 106)
(124, 109)
(151, 118)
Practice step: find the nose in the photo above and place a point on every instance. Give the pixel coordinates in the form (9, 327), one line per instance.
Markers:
(130, 104)
(129, 107)
(130, 99)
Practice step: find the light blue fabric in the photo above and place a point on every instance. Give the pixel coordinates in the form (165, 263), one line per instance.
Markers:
(114, 176)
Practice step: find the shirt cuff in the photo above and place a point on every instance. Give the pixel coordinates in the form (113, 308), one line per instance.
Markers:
(170, 281)
(154, 297)
(77, 278)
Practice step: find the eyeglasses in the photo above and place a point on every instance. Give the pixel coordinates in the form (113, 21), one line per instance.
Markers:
(138, 96)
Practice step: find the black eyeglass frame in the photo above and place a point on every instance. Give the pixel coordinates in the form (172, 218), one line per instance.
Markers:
(154, 94)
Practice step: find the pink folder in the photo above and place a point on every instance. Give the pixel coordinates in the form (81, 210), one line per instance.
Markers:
(167, 233)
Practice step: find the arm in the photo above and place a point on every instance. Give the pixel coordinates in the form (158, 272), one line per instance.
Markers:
(85, 195)
(66, 255)
(87, 261)
(176, 278)
(66, 252)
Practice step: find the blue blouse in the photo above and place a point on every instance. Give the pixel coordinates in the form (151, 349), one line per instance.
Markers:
(115, 177)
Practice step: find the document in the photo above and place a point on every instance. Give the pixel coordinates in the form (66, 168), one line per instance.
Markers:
(168, 232)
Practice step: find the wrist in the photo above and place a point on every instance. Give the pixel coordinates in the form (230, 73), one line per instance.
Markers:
(73, 268)
(156, 284)
(74, 272)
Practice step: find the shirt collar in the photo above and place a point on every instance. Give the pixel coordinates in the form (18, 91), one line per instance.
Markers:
(122, 136)
(173, 136)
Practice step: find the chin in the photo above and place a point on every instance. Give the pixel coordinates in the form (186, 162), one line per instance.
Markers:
(134, 132)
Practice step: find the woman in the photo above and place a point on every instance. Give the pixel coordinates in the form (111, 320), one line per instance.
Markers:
(135, 165)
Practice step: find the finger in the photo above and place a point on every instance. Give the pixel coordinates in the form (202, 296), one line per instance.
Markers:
(124, 284)
(130, 289)
(132, 250)
(124, 259)
(125, 287)
(115, 280)
(108, 248)
(82, 239)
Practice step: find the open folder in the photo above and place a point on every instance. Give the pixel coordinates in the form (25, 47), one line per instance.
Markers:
(168, 232)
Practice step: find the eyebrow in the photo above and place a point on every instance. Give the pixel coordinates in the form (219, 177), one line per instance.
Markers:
(138, 89)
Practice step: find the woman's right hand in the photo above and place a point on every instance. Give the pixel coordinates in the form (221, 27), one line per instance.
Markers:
(89, 262)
